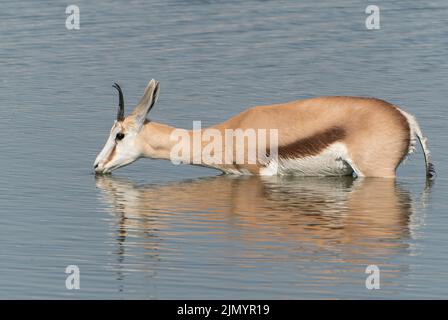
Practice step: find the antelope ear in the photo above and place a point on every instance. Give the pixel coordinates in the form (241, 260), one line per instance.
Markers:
(147, 101)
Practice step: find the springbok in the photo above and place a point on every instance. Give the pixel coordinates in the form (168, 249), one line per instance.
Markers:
(325, 136)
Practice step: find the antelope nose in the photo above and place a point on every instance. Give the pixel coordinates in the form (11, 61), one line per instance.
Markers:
(96, 166)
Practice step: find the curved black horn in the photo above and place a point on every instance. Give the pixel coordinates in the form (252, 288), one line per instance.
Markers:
(120, 114)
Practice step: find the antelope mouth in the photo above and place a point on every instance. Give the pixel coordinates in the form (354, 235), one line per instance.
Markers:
(100, 170)
(104, 171)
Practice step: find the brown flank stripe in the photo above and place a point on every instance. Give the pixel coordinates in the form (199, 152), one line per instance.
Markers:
(312, 145)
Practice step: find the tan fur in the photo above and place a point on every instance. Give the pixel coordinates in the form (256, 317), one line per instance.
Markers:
(375, 132)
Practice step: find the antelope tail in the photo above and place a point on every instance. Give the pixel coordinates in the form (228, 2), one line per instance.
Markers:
(416, 133)
(430, 170)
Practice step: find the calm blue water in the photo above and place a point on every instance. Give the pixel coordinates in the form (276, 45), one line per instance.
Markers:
(154, 230)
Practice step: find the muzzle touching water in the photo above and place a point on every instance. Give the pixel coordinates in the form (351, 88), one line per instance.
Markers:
(106, 155)
(121, 147)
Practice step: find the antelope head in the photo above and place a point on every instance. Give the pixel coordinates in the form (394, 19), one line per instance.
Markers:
(122, 146)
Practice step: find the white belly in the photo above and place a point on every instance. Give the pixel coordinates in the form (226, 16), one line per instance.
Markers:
(333, 161)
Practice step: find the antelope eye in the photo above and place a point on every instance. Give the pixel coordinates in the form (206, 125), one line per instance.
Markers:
(119, 136)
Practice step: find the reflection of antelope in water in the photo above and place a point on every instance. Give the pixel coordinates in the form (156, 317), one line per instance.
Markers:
(372, 214)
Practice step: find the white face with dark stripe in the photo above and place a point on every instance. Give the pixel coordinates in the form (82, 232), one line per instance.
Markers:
(119, 150)
(121, 147)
